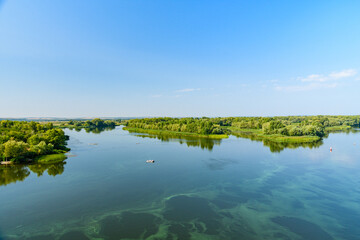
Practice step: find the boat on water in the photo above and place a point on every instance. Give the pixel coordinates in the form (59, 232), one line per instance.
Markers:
(150, 161)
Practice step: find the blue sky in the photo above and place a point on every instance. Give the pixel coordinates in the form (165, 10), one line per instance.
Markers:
(65, 58)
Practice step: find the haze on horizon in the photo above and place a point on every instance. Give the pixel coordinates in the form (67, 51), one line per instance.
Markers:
(67, 58)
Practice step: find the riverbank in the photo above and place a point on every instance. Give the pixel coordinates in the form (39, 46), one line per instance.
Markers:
(173, 133)
(246, 133)
(49, 158)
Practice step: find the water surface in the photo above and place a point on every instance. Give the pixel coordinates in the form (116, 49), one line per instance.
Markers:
(197, 189)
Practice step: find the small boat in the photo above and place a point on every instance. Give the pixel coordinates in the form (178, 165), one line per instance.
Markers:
(6, 162)
(150, 161)
(330, 149)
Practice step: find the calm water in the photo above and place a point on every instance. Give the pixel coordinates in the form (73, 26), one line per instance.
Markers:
(197, 189)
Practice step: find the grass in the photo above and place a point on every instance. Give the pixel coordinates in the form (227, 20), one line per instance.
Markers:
(337, 128)
(290, 139)
(173, 133)
(278, 138)
(51, 158)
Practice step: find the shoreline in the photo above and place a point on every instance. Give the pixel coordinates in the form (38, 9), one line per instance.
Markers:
(43, 159)
(243, 133)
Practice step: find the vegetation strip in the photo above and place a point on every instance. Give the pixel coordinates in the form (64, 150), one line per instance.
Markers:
(291, 129)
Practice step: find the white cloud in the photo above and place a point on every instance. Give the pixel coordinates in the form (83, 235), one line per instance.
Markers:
(317, 81)
(156, 96)
(343, 74)
(188, 90)
(314, 78)
(330, 77)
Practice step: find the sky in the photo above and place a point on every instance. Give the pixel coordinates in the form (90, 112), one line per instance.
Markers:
(102, 58)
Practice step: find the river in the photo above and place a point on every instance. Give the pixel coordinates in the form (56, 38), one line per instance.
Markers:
(232, 188)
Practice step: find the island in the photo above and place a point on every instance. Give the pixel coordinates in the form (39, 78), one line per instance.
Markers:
(282, 129)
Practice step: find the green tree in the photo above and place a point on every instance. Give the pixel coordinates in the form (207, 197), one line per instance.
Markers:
(15, 150)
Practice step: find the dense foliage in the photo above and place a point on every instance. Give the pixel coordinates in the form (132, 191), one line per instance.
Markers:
(285, 126)
(190, 125)
(27, 140)
(295, 125)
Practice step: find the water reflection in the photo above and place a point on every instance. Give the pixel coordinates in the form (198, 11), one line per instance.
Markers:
(347, 131)
(18, 173)
(93, 130)
(204, 143)
(278, 147)
(13, 173)
(52, 169)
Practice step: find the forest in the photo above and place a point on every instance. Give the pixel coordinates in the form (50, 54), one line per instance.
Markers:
(277, 129)
(24, 141)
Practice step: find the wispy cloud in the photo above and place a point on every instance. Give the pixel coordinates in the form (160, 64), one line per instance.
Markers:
(318, 81)
(156, 95)
(329, 77)
(343, 74)
(188, 90)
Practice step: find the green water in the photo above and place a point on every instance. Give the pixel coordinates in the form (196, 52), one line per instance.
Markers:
(197, 189)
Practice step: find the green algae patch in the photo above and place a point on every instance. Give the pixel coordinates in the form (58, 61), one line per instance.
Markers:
(184, 209)
(179, 231)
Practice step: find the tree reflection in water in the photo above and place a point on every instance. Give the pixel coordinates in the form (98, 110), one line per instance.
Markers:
(207, 143)
(204, 143)
(14, 173)
(92, 130)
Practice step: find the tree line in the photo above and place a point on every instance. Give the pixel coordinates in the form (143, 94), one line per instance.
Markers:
(286, 126)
